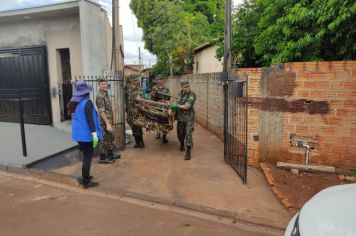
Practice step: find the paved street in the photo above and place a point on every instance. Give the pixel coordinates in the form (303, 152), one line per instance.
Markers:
(34, 207)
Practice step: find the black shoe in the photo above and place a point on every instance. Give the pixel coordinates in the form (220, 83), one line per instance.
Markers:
(182, 148)
(80, 179)
(158, 136)
(106, 161)
(111, 155)
(164, 139)
(188, 153)
(90, 184)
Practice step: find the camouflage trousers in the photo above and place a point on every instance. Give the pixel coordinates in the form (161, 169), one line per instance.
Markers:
(136, 130)
(108, 141)
(185, 132)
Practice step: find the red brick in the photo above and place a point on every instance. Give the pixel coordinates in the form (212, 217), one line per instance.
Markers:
(302, 129)
(328, 130)
(322, 84)
(342, 112)
(353, 131)
(290, 128)
(330, 75)
(334, 120)
(350, 64)
(337, 84)
(296, 119)
(350, 103)
(315, 130)
(310, 66)
(316, 75)
(303, 93)
(350, 85)
(336, 103)
(309, 84)
(308, 120)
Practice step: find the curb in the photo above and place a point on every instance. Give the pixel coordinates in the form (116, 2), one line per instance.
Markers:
(279, 195)
(233, 216)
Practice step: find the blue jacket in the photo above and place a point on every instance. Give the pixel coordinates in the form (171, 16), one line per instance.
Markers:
(80, 128)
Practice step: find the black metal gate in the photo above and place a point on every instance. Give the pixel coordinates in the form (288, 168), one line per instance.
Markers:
(25, 69)
(235, 124)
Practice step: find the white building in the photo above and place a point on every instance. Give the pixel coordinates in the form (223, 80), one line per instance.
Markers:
(205, 60)
(63, 40)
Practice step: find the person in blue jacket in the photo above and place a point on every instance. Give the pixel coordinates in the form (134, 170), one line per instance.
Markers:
(85, 127)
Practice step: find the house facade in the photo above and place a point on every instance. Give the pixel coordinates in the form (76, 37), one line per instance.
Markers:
(65, 40)
(205, 60)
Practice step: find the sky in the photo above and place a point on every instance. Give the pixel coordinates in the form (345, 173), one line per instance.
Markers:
(132, 34)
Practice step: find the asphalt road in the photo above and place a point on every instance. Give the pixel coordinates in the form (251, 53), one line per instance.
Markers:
(36, 207)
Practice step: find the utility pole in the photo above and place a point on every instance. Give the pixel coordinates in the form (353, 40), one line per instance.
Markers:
(118, 103)
(226, 70)
(227, 37)
(139, 63)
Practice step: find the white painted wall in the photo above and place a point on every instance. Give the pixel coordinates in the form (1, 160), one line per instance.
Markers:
(95, 42)
(207, 61)
(81, 26)
(55, 33)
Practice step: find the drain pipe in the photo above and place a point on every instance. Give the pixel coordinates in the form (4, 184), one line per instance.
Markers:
(307, 153)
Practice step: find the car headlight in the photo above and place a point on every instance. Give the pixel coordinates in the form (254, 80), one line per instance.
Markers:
(295, 231)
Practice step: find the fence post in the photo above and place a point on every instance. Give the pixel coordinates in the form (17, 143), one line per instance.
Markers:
(22, 125)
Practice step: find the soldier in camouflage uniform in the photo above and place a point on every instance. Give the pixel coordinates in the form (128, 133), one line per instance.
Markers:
(133, 90)
(160, 98)
(104, 108)
(185, 118)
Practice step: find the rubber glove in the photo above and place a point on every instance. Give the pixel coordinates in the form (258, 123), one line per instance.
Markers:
(174, 106)
(145, 96)
(95, 139)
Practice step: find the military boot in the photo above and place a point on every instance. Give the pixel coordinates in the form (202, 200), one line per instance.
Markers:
(182, 148)
(164, 138)
(111, 155)
(188, 153)
(87, 183)
(105, 160)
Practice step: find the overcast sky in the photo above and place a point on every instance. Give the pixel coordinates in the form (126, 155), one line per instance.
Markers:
(132, 34)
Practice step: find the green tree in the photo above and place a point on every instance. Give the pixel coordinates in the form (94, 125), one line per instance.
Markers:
(172, 29)
(306, 30)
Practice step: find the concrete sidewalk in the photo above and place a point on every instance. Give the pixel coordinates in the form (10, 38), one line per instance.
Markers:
(42, 141)
(205, 183)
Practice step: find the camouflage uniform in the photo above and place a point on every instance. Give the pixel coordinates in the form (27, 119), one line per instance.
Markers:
(185, 118)
(103, 104)
(131, 93)
(159, 97)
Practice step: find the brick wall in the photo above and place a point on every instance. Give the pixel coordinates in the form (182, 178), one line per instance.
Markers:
(209, 106)
(311, 103)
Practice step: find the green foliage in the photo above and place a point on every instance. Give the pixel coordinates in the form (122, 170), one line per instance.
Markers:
(306, 30)
(172, 29)
(264, 31)
(244, 31)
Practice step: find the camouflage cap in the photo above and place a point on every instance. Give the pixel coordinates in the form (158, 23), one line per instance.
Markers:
(133, 77)
(184, 83)
(102, 79)
(159, 77)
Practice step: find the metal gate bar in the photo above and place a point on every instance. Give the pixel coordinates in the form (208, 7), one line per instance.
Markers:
(235, 128)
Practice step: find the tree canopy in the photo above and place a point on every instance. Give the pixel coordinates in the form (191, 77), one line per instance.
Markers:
(172, 29)
(264, 31)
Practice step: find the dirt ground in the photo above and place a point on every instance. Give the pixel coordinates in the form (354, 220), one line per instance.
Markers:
(300, 188)
(33, 207)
